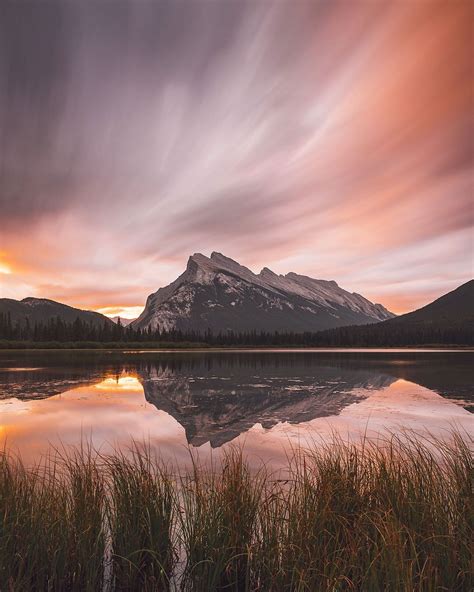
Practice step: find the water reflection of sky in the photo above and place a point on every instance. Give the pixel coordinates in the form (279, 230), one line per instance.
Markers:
(114, 410)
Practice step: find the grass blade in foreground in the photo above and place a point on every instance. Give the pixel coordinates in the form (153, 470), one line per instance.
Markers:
(396, 516)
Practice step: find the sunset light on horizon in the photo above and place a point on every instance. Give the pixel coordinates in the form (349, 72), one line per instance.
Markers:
(236, 294)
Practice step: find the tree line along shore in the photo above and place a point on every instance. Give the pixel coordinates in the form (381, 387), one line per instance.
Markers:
(57, 333)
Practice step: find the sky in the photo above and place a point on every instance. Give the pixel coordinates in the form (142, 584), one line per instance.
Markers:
(332, 139)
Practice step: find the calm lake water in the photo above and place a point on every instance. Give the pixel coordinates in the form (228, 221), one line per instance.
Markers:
(267, 401)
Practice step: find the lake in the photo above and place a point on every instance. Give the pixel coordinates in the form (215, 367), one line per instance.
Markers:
(205, 401)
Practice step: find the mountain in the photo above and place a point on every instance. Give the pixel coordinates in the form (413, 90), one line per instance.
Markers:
(37, 310)
(447, 320)
(218, 293)
(452, 308)
(123, 321)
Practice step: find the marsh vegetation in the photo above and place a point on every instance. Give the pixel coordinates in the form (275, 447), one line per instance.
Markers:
(394, 515)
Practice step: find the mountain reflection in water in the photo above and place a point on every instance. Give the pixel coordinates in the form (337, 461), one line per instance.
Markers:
(220, 404)
(216, 396)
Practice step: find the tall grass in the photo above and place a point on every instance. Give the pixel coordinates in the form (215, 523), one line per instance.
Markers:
(391, 516)
(141, 522)
(51, 524)
(217, 524)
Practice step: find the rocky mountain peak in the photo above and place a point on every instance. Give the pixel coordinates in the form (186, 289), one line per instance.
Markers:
(198, 261)
(221, 259)
(268, 273)
(217, 292)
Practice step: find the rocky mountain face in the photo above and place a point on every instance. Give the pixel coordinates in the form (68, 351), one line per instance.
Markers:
(218, 293)
(36, 310)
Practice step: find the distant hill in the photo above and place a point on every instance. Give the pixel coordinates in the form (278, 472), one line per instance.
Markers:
(41, 310)
(123, 321)
(455, 307)
(219, 294)
(447, 320)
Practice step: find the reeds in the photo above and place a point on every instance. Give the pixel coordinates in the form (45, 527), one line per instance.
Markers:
(391, 516)
(141, 522)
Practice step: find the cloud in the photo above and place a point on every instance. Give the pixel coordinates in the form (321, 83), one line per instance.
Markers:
(325, 136)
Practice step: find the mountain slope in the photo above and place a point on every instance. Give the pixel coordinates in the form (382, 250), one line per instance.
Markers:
(454, 307)
(218, 293)
(447, 320)
(37, 310)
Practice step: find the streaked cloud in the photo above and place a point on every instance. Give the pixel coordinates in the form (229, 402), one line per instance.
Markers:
(328, 138)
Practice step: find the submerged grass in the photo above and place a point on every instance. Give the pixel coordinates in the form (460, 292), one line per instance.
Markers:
(391, 516)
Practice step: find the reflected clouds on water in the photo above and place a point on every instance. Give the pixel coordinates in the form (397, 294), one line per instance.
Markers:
(208, 400)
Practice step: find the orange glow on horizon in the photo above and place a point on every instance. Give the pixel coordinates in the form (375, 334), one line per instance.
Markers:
(5, 264)
(124, 312)
(406, 302)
